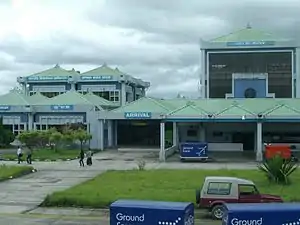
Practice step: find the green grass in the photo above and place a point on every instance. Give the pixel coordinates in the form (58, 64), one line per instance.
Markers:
(9, 172)
(165, 185)
(45, 154)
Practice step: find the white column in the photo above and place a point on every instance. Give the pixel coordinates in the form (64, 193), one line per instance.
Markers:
(202, 133)
(202, 72)
(175, 134)
(259, 144)
(162, 155)
(30, 122)
(110, 133)
(123, 94)
(101, 135)
(297, 71)
(116, 133)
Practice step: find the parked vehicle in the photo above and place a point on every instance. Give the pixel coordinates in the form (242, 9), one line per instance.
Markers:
(219, 190)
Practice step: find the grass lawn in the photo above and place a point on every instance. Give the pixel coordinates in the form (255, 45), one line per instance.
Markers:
(45, 154)
(8, 172)
(165, 185)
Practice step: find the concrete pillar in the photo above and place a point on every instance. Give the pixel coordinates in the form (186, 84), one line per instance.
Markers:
(297, 72)
(259, 144)
(202, 137)
(110, 133)
(175, 134)
(202, 74)
(101, 135)
(123, 94)
(30, 121)
(115, 124)
(162, 155)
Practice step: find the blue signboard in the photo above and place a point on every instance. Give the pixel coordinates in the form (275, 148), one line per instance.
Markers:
(135, 212)
(250, 43)
(5, 107)
(47, 78)
(137, 115)
(194, 150)
(100, 78)
(262, 214)
(62, 107)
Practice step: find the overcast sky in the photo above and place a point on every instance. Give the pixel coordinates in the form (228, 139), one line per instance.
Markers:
(156, 40)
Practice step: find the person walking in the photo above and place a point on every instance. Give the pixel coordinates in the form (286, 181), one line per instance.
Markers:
(19, 154)
(29, 155)
(89, 158)
(81, 158)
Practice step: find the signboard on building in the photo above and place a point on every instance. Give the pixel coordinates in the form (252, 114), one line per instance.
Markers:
(4, 107)
(193, 150)
(98, 78)
(136, 212)
(62, 107)
(137, 115)
(47, 78)
(250, 43)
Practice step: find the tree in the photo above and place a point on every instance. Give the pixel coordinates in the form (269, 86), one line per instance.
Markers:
(55, 138)
(31, 139)
(6, 136)
(82, 136)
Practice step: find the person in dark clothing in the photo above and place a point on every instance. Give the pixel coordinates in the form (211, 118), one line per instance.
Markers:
(29, 155)
(81, 158)
(89, 158)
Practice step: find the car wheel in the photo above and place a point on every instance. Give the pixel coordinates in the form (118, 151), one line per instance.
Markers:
(197, 196)
(217, 212)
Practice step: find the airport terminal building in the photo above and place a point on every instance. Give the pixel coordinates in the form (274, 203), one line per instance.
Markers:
(250, 95)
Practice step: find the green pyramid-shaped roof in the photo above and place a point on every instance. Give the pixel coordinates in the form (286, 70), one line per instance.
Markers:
(38, 97)
(14, 98)
(103, 70)
(246, 34)
(283, 111)
(99, 100)
(144, 104)
(188, 110)
(235, 111)
(68, 98)
(56, 71)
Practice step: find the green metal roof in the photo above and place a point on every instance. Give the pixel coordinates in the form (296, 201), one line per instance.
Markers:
(145, 104)
(55, 71)
(246, 34)
(99, 100)
(103, 70)
(38, 97)
(219, 108)
(68, 98)
(13, 98)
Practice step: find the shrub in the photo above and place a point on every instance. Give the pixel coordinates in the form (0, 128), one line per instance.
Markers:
(141, 164)
(278, 169)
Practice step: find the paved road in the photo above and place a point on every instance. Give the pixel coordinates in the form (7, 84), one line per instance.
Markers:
(26, 193)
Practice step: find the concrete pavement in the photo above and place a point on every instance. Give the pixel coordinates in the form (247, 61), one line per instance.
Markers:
(24, 194)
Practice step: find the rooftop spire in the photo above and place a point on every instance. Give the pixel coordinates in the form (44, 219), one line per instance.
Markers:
(248, 26)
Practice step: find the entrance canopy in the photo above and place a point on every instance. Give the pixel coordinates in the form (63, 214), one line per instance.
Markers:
(210, 110)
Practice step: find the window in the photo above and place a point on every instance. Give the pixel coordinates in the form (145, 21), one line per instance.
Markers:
(114, 96)
(32, 93)
(50, 94)
(247, 189)
(219, 188)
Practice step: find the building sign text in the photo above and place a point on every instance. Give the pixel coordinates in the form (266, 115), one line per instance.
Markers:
(103, 77)
(4, 107)
(62, 107)
(47, 78)
(137, 115)
(250, 43)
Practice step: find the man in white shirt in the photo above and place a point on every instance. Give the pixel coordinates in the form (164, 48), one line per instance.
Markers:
(19, 154)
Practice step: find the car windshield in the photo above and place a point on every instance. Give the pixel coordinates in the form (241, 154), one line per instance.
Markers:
(245, 189)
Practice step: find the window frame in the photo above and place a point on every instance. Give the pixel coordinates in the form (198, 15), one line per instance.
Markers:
(218, 183)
